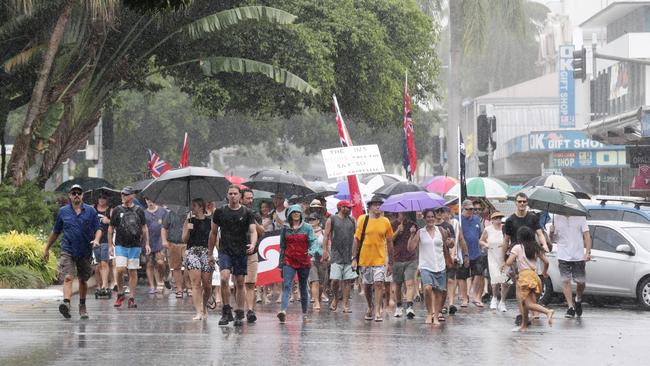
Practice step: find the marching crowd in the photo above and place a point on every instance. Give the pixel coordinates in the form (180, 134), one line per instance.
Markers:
(394, 259)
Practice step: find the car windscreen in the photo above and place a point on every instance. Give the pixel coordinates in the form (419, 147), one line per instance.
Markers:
(640, 235)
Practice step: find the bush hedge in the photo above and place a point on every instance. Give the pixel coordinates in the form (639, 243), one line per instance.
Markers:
(21, 261)
(26, 209)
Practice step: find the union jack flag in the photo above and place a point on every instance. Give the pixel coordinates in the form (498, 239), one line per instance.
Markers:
(157, 165)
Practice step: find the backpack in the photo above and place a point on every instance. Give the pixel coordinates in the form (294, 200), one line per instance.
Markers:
(130, 225)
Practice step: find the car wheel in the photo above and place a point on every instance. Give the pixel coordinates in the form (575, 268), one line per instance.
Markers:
(547, 291)
(643, 293)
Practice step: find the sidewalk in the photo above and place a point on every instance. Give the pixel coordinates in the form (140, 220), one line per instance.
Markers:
(51, 293)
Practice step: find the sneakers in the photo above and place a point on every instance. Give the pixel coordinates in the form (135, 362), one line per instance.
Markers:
(410, 314)
(579, 308)
(250, 316)
(168, 285)
(119, 300)
(226, 315)
(452, 309)
(398, 312)
(570, 313)
(493, 303)
(502, 307)
(132, 304)
(83, 313)
(64, 309)
(282, 316)
(239, 318)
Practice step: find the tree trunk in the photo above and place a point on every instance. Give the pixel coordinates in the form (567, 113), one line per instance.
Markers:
(21, 155)
(4, 114)
(454, 87)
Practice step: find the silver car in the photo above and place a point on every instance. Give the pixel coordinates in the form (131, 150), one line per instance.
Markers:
(620, 265)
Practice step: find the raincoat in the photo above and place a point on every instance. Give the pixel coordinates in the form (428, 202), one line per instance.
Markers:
(297, 246)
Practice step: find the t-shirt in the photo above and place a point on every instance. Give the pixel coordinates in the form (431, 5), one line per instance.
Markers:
(522, 261)
(472, 233)
(373, 249)
(234, 226)
(78, 230)
(342, 233)
(102, 226)
(514, 222)
(154, 225)
(400, 242)
(127, 221)
(569, 240)
(200, 232)
(173, 223)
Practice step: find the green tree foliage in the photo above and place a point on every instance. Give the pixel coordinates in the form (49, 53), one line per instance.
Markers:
(26, 209)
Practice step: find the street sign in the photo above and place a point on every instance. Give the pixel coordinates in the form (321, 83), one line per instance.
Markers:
(352, 160)
(638, 155)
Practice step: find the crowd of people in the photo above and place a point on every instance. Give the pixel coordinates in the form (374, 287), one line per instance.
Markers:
(393, 259)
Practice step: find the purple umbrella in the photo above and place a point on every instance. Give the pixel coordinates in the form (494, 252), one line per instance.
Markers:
(412, 201)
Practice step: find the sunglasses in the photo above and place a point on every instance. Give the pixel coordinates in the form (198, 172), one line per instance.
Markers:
(522, 201)
(125, 194)
(438, 211)
(76, 193)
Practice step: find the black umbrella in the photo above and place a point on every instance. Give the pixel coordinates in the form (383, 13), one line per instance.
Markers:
(397, 188)
(86, 183)
(113, 196)
(140, 185)
(279, 181)
(554, 201)
(181, 186)
(561, 182)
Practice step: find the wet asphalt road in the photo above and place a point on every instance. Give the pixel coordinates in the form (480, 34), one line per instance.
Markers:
(161, 332)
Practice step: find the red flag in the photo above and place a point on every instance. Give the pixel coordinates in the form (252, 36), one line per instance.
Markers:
(353, 183)
(157, 165)
(184, 159)
(410, 156)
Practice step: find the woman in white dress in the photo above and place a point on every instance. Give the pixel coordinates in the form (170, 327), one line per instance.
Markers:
(492, 239)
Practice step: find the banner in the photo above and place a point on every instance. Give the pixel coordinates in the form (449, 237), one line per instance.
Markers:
(567, 88)
(268, 253)
(409, 154)
(352, 160)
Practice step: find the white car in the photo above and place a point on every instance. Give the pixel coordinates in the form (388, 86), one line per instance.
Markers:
(620, 265)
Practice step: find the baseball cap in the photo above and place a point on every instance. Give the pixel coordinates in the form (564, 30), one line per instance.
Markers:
(75, 186)
(315, 203)
(127, 190)
(313, 216)
(468, 203)
(343, 203)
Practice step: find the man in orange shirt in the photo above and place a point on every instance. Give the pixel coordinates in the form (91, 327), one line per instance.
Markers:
(376, 246)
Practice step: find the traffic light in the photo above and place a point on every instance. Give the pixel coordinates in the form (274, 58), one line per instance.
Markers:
(579, 64)
(482, 133)
(493, 130)
(483, 165)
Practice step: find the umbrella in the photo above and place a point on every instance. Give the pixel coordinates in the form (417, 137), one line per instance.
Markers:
(278, 181)
(141, 184)
(236, 180)
(439, 184)
(412, 201)
(554, 201)
(376, 181)
(397, 188)
(181, 186)
(343, 191)
(113, 195)
(87, 183)
(560, 182)
(482, 187)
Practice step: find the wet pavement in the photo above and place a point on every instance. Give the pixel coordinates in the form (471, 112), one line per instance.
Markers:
(160, 331)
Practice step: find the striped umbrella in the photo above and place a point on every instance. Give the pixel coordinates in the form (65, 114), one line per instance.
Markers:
(482, 187)
(559, 182)
(440, 184)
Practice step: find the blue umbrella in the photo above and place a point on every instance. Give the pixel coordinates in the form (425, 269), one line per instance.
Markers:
(412, 201)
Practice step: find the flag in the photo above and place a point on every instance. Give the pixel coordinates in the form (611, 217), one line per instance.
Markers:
(461, 161)
(157, 165)
(409, 154)
(184, 160)
(356, 200)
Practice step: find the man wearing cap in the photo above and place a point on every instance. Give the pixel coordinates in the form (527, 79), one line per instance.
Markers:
(130, 227)
(372, 253)
(472, 229)
(79, 224)
(337, 249)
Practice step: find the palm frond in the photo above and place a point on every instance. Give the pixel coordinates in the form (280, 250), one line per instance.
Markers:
(21, 58)
(227, 18)
(475, 14)
(214, 65)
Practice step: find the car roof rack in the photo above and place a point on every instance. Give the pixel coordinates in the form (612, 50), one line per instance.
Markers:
(637, 201)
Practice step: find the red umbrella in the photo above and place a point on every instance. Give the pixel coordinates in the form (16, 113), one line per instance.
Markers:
(234, 179)
(440, 184)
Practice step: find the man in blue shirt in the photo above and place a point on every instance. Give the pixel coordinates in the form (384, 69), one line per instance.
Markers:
(472, 230)
(79, 224)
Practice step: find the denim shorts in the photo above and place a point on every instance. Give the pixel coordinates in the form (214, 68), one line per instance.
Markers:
(437, 280)
(237, 265)
(101, 253)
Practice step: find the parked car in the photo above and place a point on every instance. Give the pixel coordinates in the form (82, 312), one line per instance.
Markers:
(618, 209)
(620, 265)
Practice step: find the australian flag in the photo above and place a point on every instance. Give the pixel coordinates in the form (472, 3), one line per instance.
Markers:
(156, 165)
(409, 154)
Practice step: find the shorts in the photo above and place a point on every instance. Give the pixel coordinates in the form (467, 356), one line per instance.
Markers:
(478, 266)
(101, 253)
(176, 253)
(237, 265)
(527, 283)
(575, 270)
(458, 272)
(404, 271)
(370, 275)
(437, 280)
(317, 272)
(251, 269)
(69, 264)
(197, 260)
(152, 257)
(127, 257)
(342, 272)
